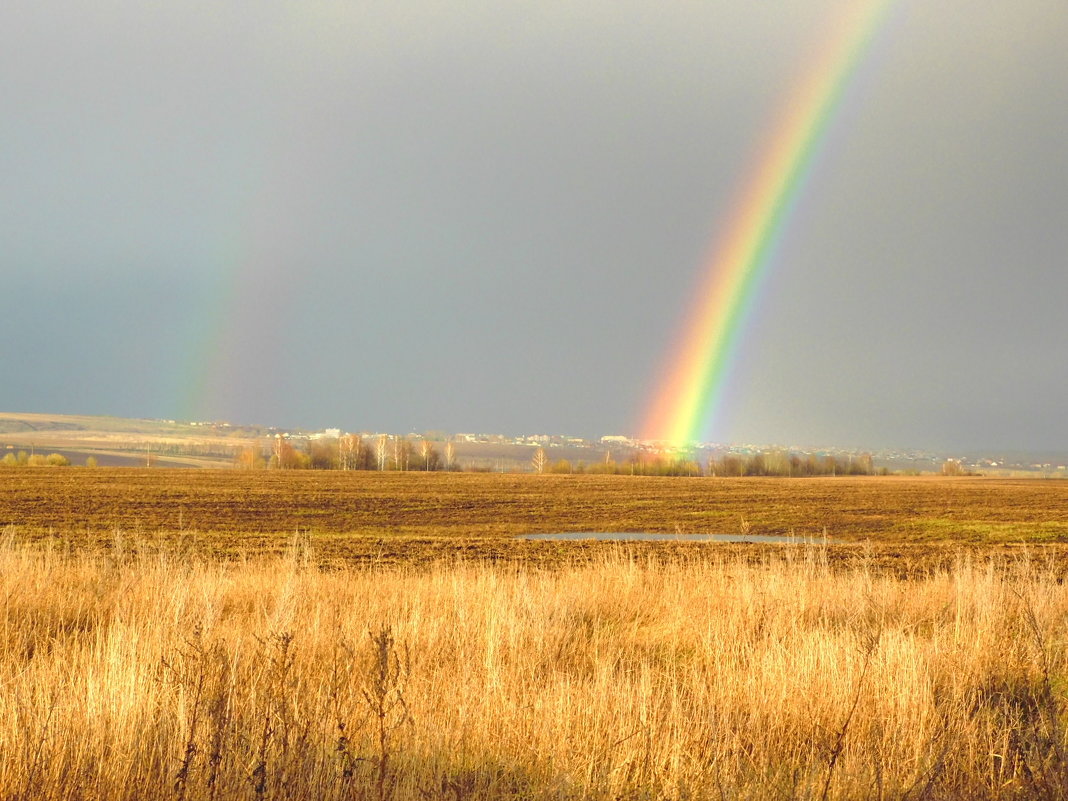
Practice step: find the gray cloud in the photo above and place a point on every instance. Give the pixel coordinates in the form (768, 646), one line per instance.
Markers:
(493, 215)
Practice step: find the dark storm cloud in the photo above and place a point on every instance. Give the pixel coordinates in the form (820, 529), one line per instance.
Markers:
(491, 216)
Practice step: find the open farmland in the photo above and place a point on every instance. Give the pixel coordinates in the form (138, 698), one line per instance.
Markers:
(125, 442)
(383, 635)
(354, 513)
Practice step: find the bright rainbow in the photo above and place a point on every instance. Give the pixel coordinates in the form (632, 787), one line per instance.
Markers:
(690, 396)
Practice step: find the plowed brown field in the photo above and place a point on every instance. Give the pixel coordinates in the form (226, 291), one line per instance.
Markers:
(419, 515)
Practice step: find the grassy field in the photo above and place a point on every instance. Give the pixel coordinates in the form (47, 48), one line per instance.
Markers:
(145, 676)
(228, 635)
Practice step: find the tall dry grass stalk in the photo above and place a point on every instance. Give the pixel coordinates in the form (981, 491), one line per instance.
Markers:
(150, 677)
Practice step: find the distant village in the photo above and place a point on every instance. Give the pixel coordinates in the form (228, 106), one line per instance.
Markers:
(506, 453)
(30, 440)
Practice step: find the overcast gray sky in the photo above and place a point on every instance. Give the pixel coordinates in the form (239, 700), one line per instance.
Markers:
(492, 215)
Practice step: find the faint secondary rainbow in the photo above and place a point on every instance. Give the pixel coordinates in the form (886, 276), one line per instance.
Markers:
(691, 392)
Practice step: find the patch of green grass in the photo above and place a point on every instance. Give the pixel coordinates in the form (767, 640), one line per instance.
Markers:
(982, 531)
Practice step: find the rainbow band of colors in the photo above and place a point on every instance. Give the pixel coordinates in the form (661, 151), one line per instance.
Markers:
(688, 400)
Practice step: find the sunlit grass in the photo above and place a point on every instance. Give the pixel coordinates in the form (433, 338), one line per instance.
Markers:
(134, 673)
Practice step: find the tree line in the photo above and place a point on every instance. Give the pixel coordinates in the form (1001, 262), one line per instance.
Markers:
(23, 459)
(348, 452)
(775, 463)
(391, 453)
(386, 452)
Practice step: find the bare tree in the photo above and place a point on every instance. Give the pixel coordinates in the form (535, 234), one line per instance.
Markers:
(403, 450)
(350, 452)
(285, 456)
(538, 461)
(344, 452)
(450, 454)
(381, 450)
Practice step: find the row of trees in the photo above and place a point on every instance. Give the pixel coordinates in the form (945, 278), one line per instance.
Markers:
(639, 464)
(385, 452)
(349, 452)
(23, 459)
(778, 463)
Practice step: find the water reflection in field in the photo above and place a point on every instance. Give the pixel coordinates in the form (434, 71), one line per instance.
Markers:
(653, 536)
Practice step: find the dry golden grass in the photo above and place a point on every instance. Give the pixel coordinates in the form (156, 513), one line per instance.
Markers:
(141, 675)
